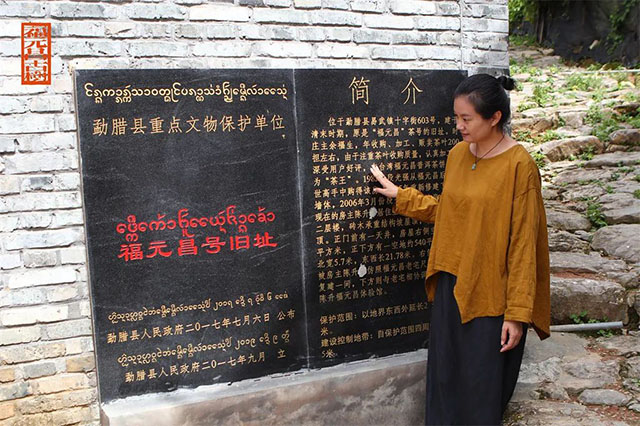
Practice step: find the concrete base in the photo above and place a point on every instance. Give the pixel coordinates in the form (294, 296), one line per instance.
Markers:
(382, 391)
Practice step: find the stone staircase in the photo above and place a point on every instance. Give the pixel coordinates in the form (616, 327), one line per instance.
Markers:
(583, 129)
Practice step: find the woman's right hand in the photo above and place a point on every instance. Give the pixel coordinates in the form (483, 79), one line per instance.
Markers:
(388, 189)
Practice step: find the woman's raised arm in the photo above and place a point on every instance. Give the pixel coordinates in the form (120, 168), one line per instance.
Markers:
(409, 201)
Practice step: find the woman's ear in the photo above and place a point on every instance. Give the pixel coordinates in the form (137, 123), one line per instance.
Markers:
(495, 119)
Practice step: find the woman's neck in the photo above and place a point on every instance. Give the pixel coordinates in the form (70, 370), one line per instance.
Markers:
(491, 142)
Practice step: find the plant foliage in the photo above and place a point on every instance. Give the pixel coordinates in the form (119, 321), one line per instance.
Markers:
(595, 215)
(617, 20)
(522, 10)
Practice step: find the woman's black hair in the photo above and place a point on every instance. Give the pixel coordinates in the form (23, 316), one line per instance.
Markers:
(487, 95)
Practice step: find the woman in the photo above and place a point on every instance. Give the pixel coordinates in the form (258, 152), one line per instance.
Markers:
(488, 268)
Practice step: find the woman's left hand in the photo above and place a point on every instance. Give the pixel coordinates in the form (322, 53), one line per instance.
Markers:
(511, 335)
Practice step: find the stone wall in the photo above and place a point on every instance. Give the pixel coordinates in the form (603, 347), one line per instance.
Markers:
(47, 371)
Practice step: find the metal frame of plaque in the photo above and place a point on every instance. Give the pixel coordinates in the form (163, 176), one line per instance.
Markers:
(231, 227)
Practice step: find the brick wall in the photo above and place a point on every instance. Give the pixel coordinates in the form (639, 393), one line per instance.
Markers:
(47, 373)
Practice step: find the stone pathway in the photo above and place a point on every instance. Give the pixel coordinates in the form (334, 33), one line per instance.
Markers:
(584, 131)
(574, 380)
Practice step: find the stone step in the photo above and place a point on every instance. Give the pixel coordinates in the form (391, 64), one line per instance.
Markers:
(567, 220)
(621, 207)
(562, 149)
(621, 241)
(587, 373)
(626, 137)
(604, 397)
(625, 345)
(614, 159)
(573, 176)
(600, 299)
(563, 241)
(580, 263)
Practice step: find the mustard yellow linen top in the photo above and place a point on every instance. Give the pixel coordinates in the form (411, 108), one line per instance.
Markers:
(491, 233)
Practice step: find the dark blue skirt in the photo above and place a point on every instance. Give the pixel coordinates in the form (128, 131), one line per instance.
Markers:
(469, 382)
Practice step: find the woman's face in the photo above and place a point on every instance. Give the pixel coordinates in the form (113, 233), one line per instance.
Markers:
(472, 126)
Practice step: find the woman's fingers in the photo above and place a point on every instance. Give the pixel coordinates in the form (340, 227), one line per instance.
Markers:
(511, 335)
(505, 334)
(375, 171)
(388, 188)
(511, 343)
(380, 177)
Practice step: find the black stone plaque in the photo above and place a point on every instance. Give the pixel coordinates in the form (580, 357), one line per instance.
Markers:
(193, 226)
(231, 228)
(364, 265)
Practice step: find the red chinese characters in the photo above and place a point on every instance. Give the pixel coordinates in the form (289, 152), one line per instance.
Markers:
(227, 222)
(36, 53)
(190, 247)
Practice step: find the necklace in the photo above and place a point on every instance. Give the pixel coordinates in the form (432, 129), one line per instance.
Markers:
(475, 163)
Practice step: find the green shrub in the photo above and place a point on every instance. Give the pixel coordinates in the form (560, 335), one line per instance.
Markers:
(525, 106)
(523, 67)
(522, 10)
(527, 136)
(617, 23)
(631, 119)
(550, 135)
(561, 121)
(587, 154)
(598, 94)
(524, 136)
(540, 159)
(584, 82)
(594, 214)
(542, 94)
(603, 125)
(522, 40)
(583, 318)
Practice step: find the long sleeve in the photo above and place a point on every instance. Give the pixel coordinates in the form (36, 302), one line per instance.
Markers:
(491, 233)
(522, 256)
(414, 204)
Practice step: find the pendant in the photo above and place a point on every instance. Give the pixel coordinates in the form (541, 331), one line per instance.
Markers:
(473, 167)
